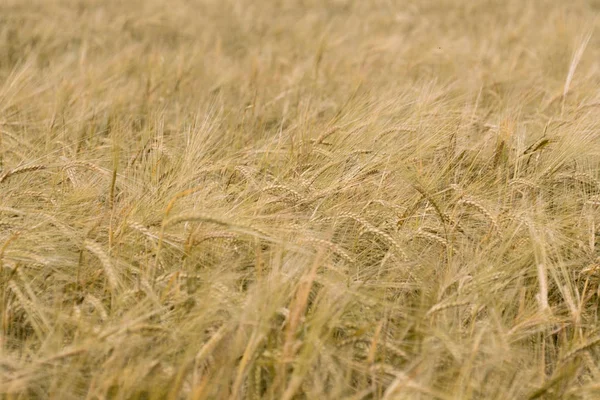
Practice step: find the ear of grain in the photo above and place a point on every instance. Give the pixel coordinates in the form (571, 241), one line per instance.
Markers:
(173, 181)
(282, 188)
(111, 275)
(543, 286)
(573, 66)
(21, 170)
(332, 246)
(376, 231)
(581, 348)
(479, 207)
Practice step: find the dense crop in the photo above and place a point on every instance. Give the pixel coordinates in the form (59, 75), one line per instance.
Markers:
(299, 199)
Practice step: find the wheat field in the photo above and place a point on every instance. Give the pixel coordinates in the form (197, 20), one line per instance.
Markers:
(299, 199)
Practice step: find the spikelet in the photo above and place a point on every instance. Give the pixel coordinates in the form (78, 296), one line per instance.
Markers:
(523, 182)
(326, 134)
(580, 177)
(97, 304)
(360, 151)
(473, 203)
(579, 349)
(320, 172)
(332, 246)
(386, 368)
(12, 211)
(591, 269)
(27, 256)
(193, 218)
(444, 306)
(254, 231)
(67, 352)
(27, 304)
(75, 180)
(542, 296)
(257, 382)
(37, 318)
(197, 239)
(323, 152)
(457, 188)
(88, 165)
(180, 195)
(594, 200)
(431, 237)
(210, 345)
(518, 218)
(396, 129)
(225, 294)
(427, 196)
(141, 228)
(394, 349)
(398, 209)
(294, 194)
(168, 239)
(33, 193)
(21, 170)
(587, 178)
(376, 231)
(591, 363)
(245, 172)
(360, 343)
(96, 250)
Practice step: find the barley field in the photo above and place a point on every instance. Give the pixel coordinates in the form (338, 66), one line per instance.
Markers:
(299, 199)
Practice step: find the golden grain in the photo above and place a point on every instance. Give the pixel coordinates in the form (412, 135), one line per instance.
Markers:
(298, 199)
(376, 231)
(21, 170)
(332, 246)
(479, 207)
(581, 348)
(111, 275)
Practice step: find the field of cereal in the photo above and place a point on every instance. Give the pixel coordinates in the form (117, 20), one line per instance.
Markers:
(299, 199)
